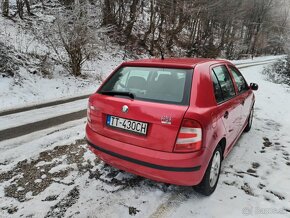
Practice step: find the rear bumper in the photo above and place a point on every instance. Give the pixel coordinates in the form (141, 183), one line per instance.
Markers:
(175, 168)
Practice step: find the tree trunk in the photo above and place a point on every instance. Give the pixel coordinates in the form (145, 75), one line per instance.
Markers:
(20, 5)
(27, 4)
(133, 15)
(76, 61)
(76, 69)
(151, 26)
(108, 13)
(5, 8)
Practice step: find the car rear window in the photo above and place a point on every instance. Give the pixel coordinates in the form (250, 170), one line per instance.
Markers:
(163, 85)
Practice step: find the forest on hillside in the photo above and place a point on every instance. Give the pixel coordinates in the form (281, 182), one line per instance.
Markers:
(192, 28)
(203, 28)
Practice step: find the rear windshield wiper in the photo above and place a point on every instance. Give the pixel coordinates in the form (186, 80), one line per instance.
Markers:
(112, 93)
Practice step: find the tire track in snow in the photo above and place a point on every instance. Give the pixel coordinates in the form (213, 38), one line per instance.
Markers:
(173, 201)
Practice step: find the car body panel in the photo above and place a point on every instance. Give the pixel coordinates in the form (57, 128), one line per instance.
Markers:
(148, 112)
(158, 146)
(195, 162)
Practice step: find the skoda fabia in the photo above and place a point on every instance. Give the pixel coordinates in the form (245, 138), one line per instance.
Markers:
(170, 120)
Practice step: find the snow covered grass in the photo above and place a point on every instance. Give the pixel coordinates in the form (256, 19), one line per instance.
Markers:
(32, 89)
(279, 72)
(29, 85)
(20, 38)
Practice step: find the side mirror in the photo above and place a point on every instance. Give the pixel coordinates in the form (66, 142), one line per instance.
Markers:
(254, 86)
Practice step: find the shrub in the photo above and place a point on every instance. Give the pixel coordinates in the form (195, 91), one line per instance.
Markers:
(279, 72)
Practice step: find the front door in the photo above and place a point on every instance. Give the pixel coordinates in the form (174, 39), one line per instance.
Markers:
(244, 95)
(228, 105)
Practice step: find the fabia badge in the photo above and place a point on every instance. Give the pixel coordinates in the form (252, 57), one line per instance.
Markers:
(166, 120)
(125, 109)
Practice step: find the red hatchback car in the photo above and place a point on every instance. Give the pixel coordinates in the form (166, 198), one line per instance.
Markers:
(171, 120)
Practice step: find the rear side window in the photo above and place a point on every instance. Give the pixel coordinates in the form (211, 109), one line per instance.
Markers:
(163, 85)
(240, 81)
(217, 89)
(223, 84)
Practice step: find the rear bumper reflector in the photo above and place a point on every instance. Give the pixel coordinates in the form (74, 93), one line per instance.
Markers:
(143, 163)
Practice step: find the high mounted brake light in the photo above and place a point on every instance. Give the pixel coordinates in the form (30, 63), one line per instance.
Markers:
(189, 138)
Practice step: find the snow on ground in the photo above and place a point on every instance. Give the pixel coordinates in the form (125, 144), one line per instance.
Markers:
(51, 173)
(23, 40)
(31, 88)
(28, 146)
(255, 177)
(31, 116)
(28, 86)
(34, 89)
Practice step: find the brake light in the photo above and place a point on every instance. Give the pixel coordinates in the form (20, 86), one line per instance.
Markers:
(189, 138)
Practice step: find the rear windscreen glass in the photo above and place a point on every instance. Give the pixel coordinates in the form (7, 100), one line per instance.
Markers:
(164, 85)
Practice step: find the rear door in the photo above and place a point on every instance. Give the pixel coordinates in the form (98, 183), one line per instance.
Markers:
(158, 100)
(227, 104)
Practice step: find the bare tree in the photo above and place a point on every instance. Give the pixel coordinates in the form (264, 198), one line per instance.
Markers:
(204, 28)
(73, 41)
(212, 28)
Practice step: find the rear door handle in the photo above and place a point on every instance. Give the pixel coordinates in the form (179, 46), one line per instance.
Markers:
(226, 115)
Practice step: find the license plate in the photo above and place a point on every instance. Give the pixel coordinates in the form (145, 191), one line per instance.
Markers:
(129, 125)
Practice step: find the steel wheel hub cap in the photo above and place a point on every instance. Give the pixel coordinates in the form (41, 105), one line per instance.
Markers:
(215, 169)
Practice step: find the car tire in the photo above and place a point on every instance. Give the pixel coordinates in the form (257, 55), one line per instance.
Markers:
(211, 176)
(250, 120)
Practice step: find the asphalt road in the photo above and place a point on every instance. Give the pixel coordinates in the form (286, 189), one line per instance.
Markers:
(48, 104)
(40, 125)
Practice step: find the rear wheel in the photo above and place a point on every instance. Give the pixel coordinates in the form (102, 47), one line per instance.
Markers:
(211, 176)
(250, 121)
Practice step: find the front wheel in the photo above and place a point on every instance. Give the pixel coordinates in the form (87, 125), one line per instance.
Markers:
(211, 176)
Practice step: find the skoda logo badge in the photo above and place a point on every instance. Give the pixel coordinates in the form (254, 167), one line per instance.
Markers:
(125, 109)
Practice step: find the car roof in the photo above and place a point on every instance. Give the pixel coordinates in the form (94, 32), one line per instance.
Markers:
(172, 62)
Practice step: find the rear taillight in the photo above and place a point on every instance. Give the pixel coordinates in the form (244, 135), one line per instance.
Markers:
(189, 138)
